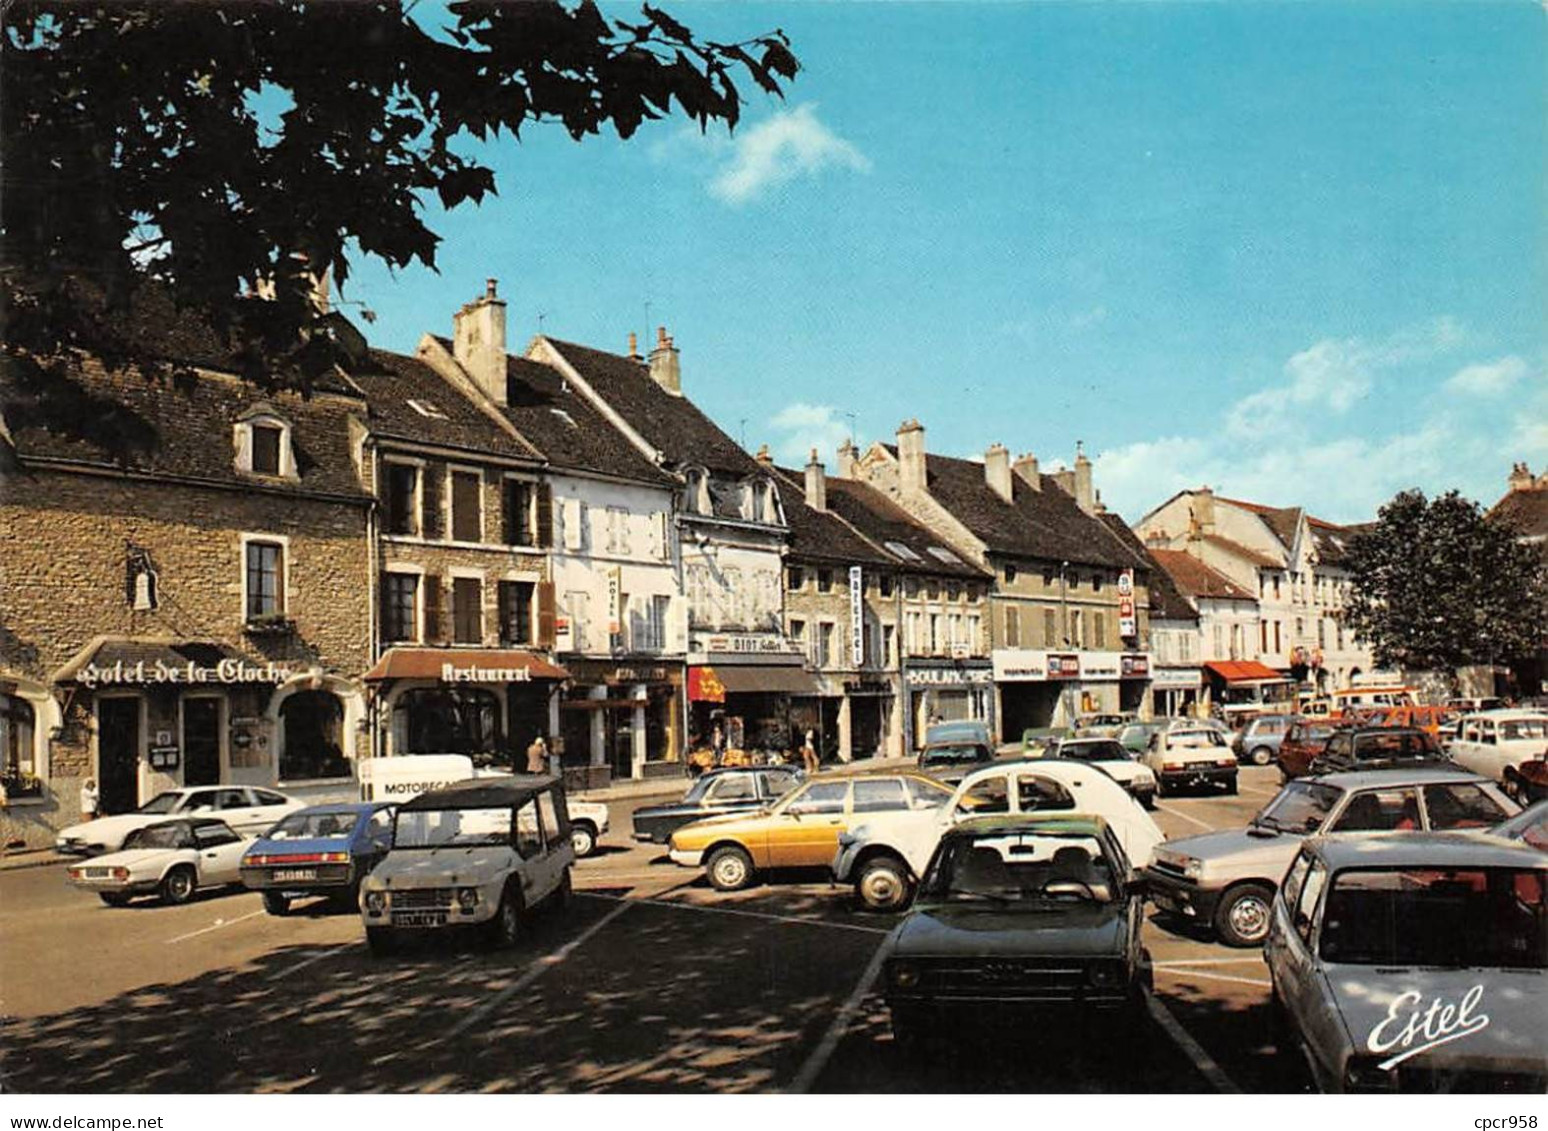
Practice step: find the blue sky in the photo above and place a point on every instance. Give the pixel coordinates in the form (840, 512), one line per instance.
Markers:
(1293, 251)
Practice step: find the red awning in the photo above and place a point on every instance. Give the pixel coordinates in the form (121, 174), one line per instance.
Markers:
(464, 665)
(704, 686)
(1245, 671)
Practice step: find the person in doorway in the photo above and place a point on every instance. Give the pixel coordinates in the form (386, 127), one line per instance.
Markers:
(718, 744)
(809, 753)
(89, 799)
(537, 756)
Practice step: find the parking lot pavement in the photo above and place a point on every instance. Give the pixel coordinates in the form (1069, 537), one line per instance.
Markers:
(650, 981)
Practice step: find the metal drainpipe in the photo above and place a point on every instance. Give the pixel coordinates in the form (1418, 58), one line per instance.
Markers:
(907, 706)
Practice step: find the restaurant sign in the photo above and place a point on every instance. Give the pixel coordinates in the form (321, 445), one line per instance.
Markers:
(473, 673)
(142, 672)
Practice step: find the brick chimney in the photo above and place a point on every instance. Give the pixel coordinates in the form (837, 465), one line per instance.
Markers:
(848, 458)
(478, 342)
(634, 347)
(816, 484)
(763, 456)
(997, 472)
(1520, 477)
(1085, 497)
(1026, 467)
(665, 369)
(912, 473)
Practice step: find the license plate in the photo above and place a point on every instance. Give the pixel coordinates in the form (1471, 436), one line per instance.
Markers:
(96, 873)
(419, 919)
(284, 875)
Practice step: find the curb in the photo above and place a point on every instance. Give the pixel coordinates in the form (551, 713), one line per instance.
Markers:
(19, 863)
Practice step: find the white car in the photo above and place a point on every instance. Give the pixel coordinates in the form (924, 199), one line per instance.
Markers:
(479, 854)
(885, 856)
(247, 809)
(1191, 756)
(1495, 743)
(1114, 759)
(172, 859)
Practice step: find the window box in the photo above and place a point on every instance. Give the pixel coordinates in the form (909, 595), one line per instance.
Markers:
(276, 625)
(22, 787)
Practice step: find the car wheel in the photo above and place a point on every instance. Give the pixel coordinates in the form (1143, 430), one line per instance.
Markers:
(1161, 789)
(114, 898)
(883, 884)
(729, 868)
(178, 885)
(583, 838)
(505, 927)
(1243, 917)
(276, 903)
(1260, 756)
(1148, 801)
(382, 940)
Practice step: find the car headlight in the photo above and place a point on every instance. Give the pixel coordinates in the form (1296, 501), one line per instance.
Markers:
(904, 975)
(376, 902)
(1105, 975)
(467, 899)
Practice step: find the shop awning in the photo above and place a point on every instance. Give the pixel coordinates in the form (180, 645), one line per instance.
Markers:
(754, 678)
(1245, 672)
(464, 665)
(139, 661)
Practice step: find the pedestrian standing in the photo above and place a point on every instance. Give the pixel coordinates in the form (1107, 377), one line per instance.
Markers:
(89, 799)
(718, 744)
(809, 753)
(537, 756)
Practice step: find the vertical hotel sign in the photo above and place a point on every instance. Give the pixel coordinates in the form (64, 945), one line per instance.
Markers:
(614, 601)
(1128, 624)
(857, 616)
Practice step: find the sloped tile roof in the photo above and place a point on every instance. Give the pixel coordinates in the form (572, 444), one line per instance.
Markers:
(822, 535)
(1165, 601)
(1246, 553)
(673, 425)
(1195, 579)
(1526, 510)
(394, 380)
(882, 521)
(1332, 541)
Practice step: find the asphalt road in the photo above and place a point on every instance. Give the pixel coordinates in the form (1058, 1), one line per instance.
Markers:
(651, 981)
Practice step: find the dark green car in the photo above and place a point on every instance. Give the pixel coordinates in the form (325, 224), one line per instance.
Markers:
(1030, 914)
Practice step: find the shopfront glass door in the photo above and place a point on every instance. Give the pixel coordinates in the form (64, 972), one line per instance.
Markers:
(118, 755)
(201, 741)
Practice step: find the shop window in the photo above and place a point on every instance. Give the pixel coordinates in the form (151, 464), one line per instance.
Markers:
(313, 723)
(516, 512)
(516, 612)
(401, 498)
(265, 579)
(467, 610)
(400, 607)
(449, 720)
(467, 520)
(21, 773)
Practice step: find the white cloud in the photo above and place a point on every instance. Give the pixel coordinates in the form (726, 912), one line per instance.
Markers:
(808, 426)
(790, 144)
(1488, 379)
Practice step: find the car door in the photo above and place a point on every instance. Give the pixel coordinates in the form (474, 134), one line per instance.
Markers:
(1384, 809)
(804, 832)
(1460, 805)
(1291, 955)
(373, 841)
(220, 853)
(235, 805)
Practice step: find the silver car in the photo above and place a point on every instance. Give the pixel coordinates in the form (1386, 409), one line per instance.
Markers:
(1413, 964)
(1227, 879)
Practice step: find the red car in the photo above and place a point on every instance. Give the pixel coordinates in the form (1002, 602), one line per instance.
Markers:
(1303, 742)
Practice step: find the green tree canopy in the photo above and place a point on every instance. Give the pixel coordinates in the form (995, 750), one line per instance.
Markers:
(217, 150)
(1437, 584)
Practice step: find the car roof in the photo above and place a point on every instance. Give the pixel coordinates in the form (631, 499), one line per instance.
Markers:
(1509, 713)
(191, 822)
(485, 794)
(1071, 824)
(1000, 765)
(1411, 775)
(344, 807)
(1424, 850)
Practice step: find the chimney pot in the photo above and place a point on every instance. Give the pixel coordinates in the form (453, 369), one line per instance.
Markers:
(1026, 468)
(489, 288)
(665, 366)
(634, 347)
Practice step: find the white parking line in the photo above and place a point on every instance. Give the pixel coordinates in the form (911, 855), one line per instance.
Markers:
(535, 971)
(1261, 982)
(1185, 817)
(823, 1053)
(305, 962)
(1194, 1051)
(217, 925)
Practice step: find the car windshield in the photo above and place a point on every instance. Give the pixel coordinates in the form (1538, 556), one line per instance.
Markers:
(160, 836)
(954, 755)
(1530, 825)
(336, 825)
(451, 828)
(1515, 730)
(1022, 871)
(1105, 751)
(161, 803)
(1447, 917)
(1301, 807)
(1191, 738)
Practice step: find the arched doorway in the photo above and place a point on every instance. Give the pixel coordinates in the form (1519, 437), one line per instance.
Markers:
(313, 737)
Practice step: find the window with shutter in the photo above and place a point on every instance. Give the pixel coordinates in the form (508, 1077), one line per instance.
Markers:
(430, 524)
(516, 612)
(1050, 630)
(400, 487)
(467, 610)
(1012, 627)
(516, 511)
(400, 596)
(544, 506)
(545, 614)
(467, 517)
(435, 632)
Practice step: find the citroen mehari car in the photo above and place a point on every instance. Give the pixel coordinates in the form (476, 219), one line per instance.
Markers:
(475, 855)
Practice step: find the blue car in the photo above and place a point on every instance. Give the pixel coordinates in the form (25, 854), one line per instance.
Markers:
(322, 850)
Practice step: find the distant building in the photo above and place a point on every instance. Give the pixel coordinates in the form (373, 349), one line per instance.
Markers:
(1525, 507)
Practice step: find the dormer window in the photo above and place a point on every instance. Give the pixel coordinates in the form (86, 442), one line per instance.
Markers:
(696, 493)
(262, 439)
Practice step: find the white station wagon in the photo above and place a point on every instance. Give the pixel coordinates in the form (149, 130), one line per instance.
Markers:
(476, 855)
(1495, 743)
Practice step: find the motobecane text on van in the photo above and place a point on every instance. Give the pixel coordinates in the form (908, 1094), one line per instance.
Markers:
(1441, 1023)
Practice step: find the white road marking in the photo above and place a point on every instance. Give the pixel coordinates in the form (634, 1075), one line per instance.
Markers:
(1190, 1047)
(305, 962)
(217, 925)
(1207, 962)
(768, 915)
(535, 971)
(1264, 983)
(825, 1049)
(1185, 817)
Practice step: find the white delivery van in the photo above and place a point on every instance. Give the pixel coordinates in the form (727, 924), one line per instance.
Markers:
(409, 775)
